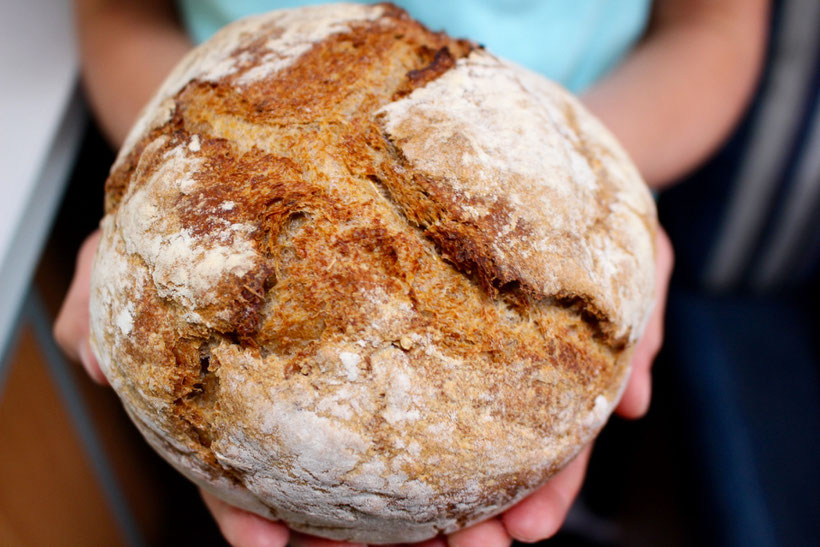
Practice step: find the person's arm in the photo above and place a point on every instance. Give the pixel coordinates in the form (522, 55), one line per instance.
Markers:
(127, 47)
(679, 93)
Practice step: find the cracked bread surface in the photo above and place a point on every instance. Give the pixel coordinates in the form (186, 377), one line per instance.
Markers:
(365, 278)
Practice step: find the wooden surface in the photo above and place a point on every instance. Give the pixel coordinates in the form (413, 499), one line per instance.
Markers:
(49, 495)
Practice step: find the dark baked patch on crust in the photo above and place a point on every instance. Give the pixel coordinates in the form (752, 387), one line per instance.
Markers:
(347, 74)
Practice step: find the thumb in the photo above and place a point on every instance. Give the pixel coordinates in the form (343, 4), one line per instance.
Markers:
(71, 330)
(636, 398)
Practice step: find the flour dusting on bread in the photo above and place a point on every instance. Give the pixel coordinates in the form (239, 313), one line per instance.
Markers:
(368, 279)
(494, 131)
(290, 34)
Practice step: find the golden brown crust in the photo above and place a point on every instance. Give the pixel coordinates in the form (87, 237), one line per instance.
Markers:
(299, 317)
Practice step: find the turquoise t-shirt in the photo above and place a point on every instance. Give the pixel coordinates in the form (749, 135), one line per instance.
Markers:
(573, 42)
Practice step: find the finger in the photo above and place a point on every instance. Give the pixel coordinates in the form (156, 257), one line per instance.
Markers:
(435, 542)
(90, 364)
(490, 533)
(638, 393)
(71, 329)
(541, 514)
(303, 540)
(243, 529)
(637, 397)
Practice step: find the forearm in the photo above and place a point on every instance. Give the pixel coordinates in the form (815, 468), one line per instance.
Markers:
(678, 95)
(127, 48)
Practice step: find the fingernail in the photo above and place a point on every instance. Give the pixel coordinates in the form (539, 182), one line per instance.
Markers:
(90, 364)
(86, 355)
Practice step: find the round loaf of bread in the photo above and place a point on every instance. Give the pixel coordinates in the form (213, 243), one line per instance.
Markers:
(367, 279)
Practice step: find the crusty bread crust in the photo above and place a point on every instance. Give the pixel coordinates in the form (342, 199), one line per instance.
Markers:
(368, 279)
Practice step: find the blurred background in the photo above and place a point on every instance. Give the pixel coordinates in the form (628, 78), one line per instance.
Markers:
(74, 471)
